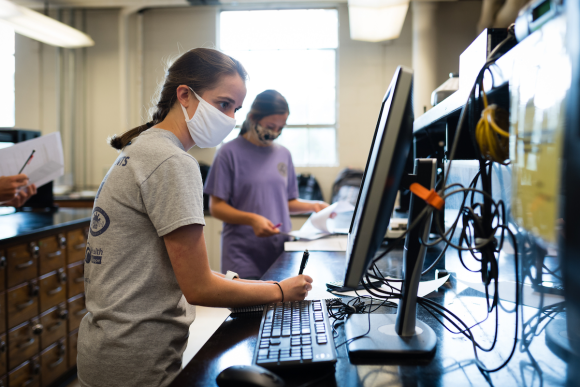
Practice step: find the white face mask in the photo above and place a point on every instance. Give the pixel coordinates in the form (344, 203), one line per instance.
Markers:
(208, 127)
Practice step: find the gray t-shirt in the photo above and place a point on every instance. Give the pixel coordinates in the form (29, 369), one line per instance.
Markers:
(137, 324)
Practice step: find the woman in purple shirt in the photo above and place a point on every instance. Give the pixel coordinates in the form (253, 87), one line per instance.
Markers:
(253, 190)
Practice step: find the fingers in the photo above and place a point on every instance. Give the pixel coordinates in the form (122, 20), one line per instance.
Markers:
(307, 278)
(19, 180)
(308, 287)
(32, 189)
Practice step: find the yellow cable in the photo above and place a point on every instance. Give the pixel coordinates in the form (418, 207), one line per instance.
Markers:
(493, 141)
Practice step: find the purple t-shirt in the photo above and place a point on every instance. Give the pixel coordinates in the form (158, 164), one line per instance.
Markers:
(253, 179)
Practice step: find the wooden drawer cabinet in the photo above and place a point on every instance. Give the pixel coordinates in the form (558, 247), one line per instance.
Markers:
(3, 308)
(3, 355)
(23, 342)
(21, 263)
(52, 253)
(73, 339)
(76, 278)
(54, 323)
(26, 375)
(76, 242)
(2, 270)
(76, 311)
(22, 303)
(4, 381)
(53, 362)
(52, 289)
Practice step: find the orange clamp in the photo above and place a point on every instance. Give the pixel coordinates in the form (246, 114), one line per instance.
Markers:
(430, 196)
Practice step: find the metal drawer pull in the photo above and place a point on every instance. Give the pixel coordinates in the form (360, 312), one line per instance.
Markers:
(25, 305)
(81, 246)
(54, 291)
(78, 280)
(28, 382)
(55, 254)
(25, 345)
(56, 363)
(81, 312)
(54, 327)
(25, 265)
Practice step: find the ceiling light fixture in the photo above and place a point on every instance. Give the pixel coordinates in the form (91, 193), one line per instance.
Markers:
(42, 28)
(376, 20)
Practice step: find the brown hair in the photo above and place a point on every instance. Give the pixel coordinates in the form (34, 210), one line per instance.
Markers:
(201, 69)
(267, 103)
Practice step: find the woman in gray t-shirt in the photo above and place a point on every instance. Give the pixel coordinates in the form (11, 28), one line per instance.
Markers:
(253, 190)
(146, 248)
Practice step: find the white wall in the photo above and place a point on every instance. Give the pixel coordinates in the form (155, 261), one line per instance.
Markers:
(364, 73)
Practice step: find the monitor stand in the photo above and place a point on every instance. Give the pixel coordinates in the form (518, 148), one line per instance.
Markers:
(400, 338)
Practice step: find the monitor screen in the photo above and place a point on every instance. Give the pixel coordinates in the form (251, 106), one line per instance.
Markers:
(385, 167)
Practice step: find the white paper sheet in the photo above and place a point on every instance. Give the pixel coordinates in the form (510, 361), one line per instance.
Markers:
(46, 165)
(321, 224)
(207, 321)
(507, 292)
(425, 288)
(332, 243)
(319, 293)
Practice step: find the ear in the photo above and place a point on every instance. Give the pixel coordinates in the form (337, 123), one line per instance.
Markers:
(184, 95)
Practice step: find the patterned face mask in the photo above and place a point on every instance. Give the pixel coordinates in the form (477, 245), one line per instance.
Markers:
(265, 135)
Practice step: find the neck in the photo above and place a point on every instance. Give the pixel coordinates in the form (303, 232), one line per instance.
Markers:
(174, 122)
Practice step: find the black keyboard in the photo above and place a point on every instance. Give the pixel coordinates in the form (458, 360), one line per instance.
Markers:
(295, 334)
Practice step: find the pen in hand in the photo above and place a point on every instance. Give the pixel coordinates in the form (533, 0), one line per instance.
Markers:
(27, 160)
(304, 261)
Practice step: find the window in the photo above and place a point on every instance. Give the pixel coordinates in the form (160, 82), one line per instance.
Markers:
(6, 76)
(293, 52)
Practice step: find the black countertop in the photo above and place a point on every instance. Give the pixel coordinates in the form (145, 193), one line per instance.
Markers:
(453, 365)
(20, 225)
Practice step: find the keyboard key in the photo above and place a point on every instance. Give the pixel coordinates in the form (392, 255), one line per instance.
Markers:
(276, 332)
(275, 341)
(306, 340)
(321, 339)
(307, 356)
(305, 331)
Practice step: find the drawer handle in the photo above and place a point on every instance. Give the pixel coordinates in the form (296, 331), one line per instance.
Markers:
(78, 280)
(54, 327)
(25, 265)
(56, 363)
(80, 246)
(55, 254)
(28, 382)
(25, 345)
(54, 291)
(25, 305)
(81, 312)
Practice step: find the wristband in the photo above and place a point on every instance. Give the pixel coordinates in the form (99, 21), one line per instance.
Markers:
(281, 291)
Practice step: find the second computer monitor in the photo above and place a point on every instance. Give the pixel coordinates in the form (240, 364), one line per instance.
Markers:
(384, 170)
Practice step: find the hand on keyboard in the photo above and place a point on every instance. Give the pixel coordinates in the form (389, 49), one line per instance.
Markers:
(296, 288)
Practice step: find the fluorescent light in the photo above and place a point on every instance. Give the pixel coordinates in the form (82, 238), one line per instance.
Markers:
(42, 28)
(376, 20)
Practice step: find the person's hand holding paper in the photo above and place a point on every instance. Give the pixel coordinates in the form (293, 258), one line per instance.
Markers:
(14, 190)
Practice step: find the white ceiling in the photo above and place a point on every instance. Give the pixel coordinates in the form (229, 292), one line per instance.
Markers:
(39, 4)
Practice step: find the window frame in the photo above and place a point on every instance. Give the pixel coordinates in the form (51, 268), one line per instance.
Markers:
(336, 125)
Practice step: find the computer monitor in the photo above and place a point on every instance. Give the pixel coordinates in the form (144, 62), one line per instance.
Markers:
(385, 167)
(390, 338)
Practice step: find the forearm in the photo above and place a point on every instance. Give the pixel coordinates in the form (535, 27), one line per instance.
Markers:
(223, 211)
(239, 279)
(300, 206)
(220, 292)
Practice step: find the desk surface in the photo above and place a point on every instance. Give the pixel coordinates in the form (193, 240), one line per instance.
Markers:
(453, 364)
(16, 226)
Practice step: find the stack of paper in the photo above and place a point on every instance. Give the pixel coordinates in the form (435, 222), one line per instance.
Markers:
(46, 165)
